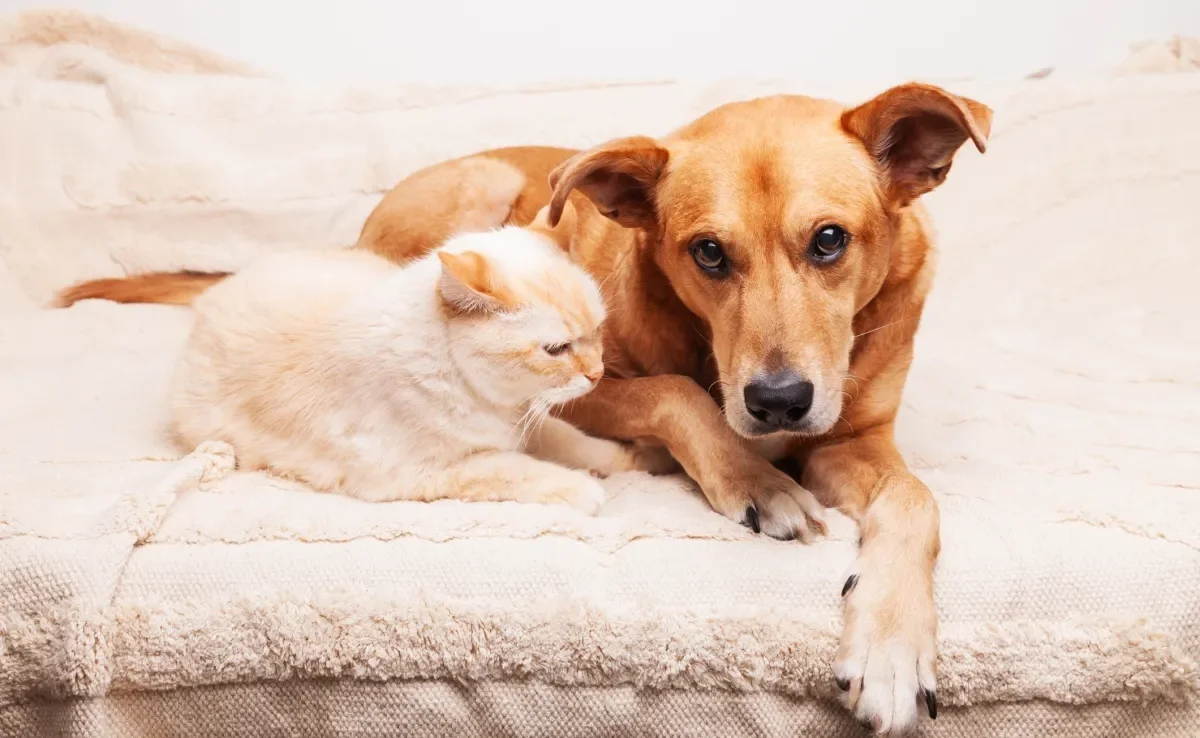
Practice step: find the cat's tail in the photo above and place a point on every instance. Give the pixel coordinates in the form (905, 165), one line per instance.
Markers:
(168, 288)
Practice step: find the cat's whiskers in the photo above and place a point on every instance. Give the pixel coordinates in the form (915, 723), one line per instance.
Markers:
(535, 417)
(540, 420)
(525, 422)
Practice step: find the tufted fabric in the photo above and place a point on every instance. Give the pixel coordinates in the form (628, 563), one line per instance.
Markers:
(1052, 408)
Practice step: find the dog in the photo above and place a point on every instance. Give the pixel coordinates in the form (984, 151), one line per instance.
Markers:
(765, 268)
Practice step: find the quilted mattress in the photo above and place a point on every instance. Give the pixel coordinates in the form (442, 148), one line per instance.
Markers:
(1053, 408)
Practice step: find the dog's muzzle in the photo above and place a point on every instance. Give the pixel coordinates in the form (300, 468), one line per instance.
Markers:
(780, 400)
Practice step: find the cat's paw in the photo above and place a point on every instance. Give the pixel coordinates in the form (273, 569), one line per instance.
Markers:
(655, 460)
(579, 490)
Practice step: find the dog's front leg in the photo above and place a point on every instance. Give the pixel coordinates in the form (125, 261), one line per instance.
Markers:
(674, 411)
(887, 662)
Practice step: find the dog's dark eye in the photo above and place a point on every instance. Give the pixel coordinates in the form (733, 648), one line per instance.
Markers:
(709, 255)
(828, 243)
(554, 349)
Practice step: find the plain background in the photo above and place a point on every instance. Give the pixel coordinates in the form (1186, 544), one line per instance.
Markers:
(519, 41)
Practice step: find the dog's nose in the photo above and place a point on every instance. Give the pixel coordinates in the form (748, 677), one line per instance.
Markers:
(781, 399)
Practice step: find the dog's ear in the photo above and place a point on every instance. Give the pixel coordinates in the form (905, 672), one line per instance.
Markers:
(913, 132)
(619, 177)
(562, 234)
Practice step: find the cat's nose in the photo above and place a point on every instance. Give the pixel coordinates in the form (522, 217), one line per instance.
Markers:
(595, 375)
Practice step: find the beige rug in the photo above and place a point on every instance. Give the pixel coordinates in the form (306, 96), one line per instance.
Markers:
(1052, 408)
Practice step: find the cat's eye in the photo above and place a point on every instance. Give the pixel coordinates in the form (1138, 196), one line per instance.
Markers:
(554, 349)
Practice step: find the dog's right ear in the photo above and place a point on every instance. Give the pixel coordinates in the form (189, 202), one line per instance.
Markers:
(619, 177)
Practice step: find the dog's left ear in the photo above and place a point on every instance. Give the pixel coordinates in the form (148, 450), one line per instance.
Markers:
(619, 177)
(913, 132)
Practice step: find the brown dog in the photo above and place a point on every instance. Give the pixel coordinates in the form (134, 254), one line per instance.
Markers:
(765, 269)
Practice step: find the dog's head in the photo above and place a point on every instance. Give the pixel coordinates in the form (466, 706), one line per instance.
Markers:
(776, 221)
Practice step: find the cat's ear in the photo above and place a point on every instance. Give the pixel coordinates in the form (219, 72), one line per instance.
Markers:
(470, 284)
(562, 234)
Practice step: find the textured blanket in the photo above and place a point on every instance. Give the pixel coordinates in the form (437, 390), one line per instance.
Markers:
(146, 590)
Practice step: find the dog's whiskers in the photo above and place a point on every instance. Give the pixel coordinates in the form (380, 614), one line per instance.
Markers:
(854, 379)
(723, 381)
(842, 418)
(885, 325)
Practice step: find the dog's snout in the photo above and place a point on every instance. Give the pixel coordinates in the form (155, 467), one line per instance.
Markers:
(780, 400)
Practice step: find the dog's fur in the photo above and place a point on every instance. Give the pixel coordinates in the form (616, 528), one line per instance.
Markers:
(760, 177)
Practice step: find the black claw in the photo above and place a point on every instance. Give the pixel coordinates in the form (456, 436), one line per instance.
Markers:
(867, 724)
(752, 519)
(850, 584)
(931, 703)
(843, 684)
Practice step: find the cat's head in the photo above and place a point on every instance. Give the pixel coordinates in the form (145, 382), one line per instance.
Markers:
(524, 319)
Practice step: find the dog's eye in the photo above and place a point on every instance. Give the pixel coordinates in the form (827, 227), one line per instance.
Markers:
(554, 349)
(709, 255)
(828, 243)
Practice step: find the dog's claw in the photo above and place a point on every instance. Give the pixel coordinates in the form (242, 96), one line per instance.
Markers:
(848, 587)
(931, 703)
(843, 684)
(752, 519)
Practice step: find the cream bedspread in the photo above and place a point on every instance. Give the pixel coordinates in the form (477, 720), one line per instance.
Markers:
(1054, 409)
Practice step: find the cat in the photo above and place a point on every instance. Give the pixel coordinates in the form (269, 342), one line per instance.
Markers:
(348, 373)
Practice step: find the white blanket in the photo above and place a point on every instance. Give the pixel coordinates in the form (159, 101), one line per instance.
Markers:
(1053, 409)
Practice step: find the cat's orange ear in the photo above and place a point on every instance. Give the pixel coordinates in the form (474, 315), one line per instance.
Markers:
(562, 234)
(469, 284)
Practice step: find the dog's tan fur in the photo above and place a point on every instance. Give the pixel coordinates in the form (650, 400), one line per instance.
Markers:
(761, 176)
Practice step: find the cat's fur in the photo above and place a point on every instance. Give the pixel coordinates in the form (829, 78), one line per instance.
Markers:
(432, 380)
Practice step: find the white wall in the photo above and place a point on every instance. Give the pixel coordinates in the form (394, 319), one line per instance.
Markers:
(527, 40)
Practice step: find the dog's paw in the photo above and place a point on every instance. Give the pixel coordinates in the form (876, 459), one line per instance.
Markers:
(886, 663)
(768, 501)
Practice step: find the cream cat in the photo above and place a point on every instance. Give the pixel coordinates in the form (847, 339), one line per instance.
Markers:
(432, 380)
